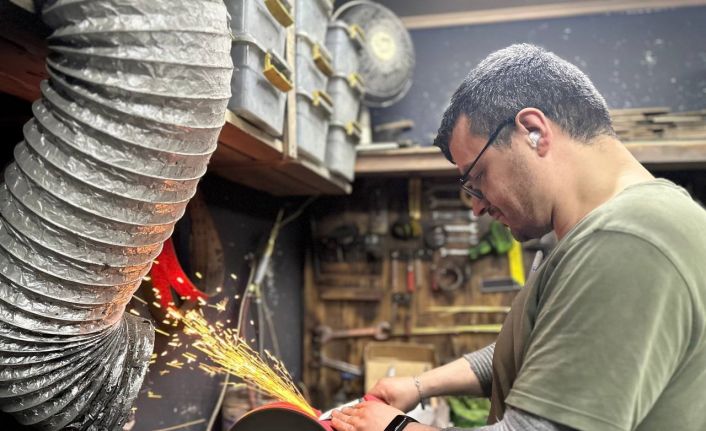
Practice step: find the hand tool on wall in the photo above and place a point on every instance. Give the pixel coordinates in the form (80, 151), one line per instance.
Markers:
(342, 238)
(420, 255)
(377, 212)
(411, 274)
(449, 276)
(435, 203)
(414, 198)
(434, 237)
(499, 284)
(460, 240)
(498, 240)
(438, 236)
(452, 215)
(470, 228)
(516, 263)
(408, 226)
(446, 252)
(323, 334)
(399, 298)
(321, 360)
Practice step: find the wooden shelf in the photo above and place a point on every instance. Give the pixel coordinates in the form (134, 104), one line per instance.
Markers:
(248, 156)
(672, 154)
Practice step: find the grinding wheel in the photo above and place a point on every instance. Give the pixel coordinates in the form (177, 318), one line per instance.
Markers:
(280, 416)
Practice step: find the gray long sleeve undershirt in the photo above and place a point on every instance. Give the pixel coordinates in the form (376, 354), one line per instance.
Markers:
(518, 420)
(481, 363)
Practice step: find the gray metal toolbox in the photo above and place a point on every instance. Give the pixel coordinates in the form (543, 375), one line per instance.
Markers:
(266, 21)
(259, 85)
(312, 17)
(312, 65)
(346, 93)
(340, 148)
(344, 42)
(313, 115)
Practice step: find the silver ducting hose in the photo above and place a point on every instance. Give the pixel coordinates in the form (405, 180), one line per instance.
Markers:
(125, 127)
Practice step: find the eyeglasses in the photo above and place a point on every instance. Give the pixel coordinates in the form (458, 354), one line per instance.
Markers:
(465, 181)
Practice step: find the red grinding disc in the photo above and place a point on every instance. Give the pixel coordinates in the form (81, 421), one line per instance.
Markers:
(280, 416)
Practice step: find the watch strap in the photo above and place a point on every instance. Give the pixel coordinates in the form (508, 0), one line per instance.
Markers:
(399, 423)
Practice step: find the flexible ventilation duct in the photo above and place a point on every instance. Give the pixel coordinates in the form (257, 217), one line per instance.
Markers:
(124, 129)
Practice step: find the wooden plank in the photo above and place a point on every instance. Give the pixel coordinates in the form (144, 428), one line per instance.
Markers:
(664, 154)
(317, 177)
(265, 177)
(227, 156)
(424, 161)
(290, 125)
(634, 111)
(670, 154)
(349, 293)
(248, 139)
(533, 12)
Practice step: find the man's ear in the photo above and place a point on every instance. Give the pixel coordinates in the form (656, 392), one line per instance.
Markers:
(535, 124)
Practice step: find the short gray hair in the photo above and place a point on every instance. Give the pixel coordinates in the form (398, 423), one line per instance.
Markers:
(522, 76)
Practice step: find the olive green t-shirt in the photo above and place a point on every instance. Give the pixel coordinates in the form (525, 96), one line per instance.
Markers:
(608, 333)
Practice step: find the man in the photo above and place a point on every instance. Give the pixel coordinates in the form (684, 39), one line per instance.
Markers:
(608, 333)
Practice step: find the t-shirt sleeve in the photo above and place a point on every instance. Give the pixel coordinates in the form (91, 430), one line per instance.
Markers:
(613, 325)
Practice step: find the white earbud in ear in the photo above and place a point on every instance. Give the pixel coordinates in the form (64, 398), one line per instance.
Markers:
(534, 138)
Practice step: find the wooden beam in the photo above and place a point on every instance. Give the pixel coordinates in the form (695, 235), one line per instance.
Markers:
(545, 11)
(426, 161)
(665, 154)
(248, 139)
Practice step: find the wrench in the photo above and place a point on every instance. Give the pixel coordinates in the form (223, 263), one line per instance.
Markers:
(453, 215)
(444, 203)
(380, 332)
(453, 252)
(471, 239)
(338, 365)
(470, 228)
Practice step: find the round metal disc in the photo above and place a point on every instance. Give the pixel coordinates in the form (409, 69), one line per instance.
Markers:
(277, 417)
(387, 62)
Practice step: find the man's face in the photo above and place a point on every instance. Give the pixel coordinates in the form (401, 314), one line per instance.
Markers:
(503, 176)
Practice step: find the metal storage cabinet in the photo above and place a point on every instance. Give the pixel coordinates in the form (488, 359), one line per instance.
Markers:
(312, 17)
(346, 93)
(259, 84)
(265, 21)
(340, 148)
(313, 115)
(344, 43)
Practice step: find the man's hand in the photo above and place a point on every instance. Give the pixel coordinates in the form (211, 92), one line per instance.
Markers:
(399, 392)
(365, 416)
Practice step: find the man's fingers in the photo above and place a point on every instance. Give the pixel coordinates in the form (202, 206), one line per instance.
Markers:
(340, 424)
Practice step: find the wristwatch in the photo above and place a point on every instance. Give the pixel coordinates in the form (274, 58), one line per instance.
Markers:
(399, 422)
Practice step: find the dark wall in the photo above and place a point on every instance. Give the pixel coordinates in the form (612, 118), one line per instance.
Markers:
(635, 59)
(243, 218)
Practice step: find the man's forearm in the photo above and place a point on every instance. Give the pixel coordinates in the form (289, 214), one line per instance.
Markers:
(451, 379)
